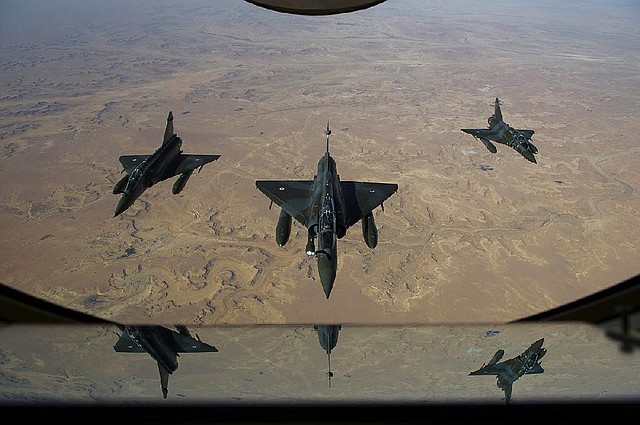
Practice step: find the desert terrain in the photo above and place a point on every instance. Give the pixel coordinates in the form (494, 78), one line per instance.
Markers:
(469, 237)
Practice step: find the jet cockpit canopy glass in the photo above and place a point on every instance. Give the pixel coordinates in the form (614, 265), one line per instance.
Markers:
(134, 179)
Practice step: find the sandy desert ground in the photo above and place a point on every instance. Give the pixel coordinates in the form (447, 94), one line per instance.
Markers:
(470, 236)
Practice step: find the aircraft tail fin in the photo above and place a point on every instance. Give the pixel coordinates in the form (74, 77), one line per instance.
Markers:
(507, 392)
(497, 112)
(327, 133)
(164, 380)
(183, 330)
(329, 373)
(168, 131)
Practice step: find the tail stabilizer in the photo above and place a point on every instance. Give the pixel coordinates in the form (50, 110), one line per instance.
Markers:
(497, 112)
(507, 392)
(329, 373)
(327, 133)
(168, 131)
(164, 380)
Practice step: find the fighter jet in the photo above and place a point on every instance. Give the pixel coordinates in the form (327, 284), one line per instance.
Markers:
(511, 370)
(162, 344)
(327, 207)
(328, 338)
(143, 171)
(500, 132)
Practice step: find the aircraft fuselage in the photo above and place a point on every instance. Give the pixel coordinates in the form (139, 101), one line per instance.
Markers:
(509, 371)
(154, 341)
(149, 172)
(521, 365)
(327, 223)
(527, 360)
(513, 138)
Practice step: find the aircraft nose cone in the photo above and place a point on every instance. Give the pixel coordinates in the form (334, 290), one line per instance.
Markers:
(537, 346)
(327, 287)
(327, 271)
(122, 206)
(528, 155)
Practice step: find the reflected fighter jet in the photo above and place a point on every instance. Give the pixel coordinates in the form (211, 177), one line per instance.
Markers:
(511, 370)
(162, 344)
(500, 132)
(328, 338)
(327, 207)
(143, 171)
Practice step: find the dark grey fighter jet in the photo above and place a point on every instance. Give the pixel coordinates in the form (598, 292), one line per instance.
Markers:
(327, 207)
(500, 132)
(143, 171)
(328, 338)
(162, 344)
(511, 370)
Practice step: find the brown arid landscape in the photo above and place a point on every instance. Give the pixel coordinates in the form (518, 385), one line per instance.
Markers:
(469, 237)
(471, 241)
